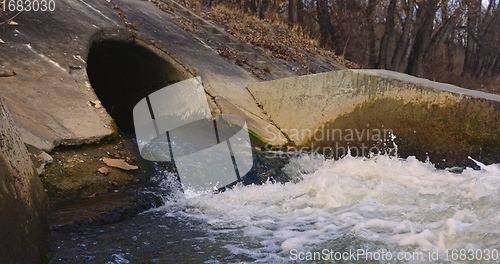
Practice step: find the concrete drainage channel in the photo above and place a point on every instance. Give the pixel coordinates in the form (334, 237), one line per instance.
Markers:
(123, 72)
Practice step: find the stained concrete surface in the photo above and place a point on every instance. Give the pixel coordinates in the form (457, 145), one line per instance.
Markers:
(50, 93)
(23, 205)
(445, 122)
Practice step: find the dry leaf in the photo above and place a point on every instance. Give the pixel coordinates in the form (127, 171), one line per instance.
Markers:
(119, 163)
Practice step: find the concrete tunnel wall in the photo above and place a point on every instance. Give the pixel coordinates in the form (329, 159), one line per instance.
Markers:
(122, 72)
(23, 205)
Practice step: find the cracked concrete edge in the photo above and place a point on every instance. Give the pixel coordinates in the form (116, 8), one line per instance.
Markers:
(261, 128)
(164, 53)
(272, 138)
(259, 124)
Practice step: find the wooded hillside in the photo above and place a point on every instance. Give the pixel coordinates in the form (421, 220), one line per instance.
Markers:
(444, 40)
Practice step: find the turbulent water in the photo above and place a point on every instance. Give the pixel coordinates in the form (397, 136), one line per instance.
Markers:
(382, 209)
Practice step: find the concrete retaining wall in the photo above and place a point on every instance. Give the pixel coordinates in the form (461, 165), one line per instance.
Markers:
(441, 120)
(23, 207)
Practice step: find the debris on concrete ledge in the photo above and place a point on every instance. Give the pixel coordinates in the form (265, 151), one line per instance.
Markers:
(119, 163)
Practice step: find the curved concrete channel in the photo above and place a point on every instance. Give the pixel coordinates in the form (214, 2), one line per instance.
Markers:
(370, 110)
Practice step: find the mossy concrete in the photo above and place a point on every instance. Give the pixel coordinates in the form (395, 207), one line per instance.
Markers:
(445, 122)
(23, 206)
(74, 175)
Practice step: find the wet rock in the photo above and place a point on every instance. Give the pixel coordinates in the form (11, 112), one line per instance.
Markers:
(45, 157)
(266, 167)
(39, 158)
(101, 209)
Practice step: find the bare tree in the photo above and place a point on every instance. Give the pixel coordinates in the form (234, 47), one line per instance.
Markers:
(295, 12)
(482, 47)
(385, 54)
(262, 8)
(372, 60)
(325, 23)
(406, 38)
(427, 38)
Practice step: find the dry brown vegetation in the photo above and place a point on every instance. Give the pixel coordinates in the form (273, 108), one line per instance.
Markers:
(443, 40)
(273, 36)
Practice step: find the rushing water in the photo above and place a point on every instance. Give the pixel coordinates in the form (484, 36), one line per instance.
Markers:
(353, 209)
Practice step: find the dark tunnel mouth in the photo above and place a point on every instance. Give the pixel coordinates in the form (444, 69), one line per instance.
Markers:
(124, 72)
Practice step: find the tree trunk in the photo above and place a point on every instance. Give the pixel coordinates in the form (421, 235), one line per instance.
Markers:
(325, 24)
(385, 60)
(426, 13)
(439, 37)
(295, 10)
(262, 8)
(250, 6)
(406, 40)
(473, 11)
(371, 58)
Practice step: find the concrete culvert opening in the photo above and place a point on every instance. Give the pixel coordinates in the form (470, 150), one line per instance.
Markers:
(123, 72)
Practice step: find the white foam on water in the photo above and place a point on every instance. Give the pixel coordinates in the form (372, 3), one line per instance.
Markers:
(380, 202)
